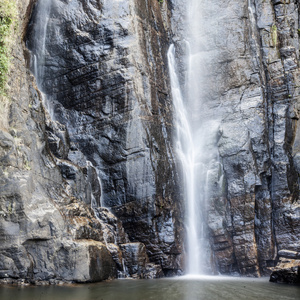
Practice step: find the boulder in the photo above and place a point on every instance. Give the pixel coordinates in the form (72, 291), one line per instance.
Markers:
(286, 271)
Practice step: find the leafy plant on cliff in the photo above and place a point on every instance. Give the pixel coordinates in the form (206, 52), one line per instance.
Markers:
(8, 15)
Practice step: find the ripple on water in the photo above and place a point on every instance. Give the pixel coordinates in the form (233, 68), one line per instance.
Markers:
(177, 288)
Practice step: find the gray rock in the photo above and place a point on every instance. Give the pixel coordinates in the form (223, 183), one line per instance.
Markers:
(115, 103)
(289, 254)
(251, 86)
(100, 133)
(137, 264)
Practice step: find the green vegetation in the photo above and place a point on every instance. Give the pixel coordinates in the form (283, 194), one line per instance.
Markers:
(8, 16)
(26, 165)
(10, 208)
(161, 1)
(274, 34)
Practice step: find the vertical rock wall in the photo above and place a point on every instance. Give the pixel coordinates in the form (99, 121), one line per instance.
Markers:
(108, 84)
(93, 129)
(251, 83)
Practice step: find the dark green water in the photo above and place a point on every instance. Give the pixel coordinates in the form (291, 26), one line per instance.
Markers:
(206, 288)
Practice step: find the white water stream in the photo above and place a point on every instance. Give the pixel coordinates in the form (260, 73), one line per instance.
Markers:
(195, 141)
(39, 44)
(42, 22)
(196, 128)
(38, 59)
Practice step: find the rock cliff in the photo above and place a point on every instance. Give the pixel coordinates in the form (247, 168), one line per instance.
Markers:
(251, 86)
(258, 145)
(90, 186)
(89, 124)
(288, 268)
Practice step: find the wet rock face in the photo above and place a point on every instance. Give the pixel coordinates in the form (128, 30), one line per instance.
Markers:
(137, 263)
(257, 140)
(41, 220)
(103, 70)
(252, 88)
(99, 134)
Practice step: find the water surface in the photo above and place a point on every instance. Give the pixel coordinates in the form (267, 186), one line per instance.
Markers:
(204, 288)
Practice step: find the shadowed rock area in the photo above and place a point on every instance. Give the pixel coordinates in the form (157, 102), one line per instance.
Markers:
(92, 129)
(288, 268)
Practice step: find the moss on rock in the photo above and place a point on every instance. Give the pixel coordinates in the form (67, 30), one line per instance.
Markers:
(8, 17)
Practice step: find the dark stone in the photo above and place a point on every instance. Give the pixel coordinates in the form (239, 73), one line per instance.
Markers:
(286, 271)
(114, 108)
(137, 264)
(102, 265)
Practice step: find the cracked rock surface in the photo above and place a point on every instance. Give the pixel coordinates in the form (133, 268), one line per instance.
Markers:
(93, 129)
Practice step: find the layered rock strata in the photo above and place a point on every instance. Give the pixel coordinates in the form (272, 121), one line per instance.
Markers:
(259, 140)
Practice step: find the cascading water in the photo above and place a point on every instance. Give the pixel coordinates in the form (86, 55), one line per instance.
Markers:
(39, 47)
(197, 131)
(38, 59)
(39, 42)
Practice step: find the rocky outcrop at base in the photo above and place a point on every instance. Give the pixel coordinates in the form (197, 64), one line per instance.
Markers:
(288, 268)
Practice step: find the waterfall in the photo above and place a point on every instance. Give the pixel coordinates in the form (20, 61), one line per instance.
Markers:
(197, 130)
(38, 44)
(41, 27)
(39, 41)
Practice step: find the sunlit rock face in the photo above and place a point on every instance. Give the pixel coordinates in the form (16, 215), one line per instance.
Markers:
(287, 269)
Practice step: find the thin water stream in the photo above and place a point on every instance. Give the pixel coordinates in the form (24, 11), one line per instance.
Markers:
(39, 42)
